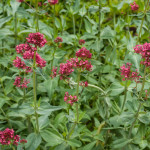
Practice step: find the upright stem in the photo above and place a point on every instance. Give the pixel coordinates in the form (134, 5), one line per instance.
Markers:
(34, 92)
(139, 35)
(37, 17)
(74, 28)
(80, 25)
(140, 95)
(99, 25)
(53, 58)
(3, 51)
(54, 17)
(77, 111)
(16, 28)
(125, 97)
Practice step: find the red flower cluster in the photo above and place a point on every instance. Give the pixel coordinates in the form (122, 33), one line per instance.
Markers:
(75, 63)
(7, 137)
(58, 39)
(134, 6)
(21, 82)
(84, 84)
(144, 50)
(81, 41)
(37, 39)
(54, 72)
(53, 2)
(23, 141)
(69, 99)
(127, 74)
(84, 53)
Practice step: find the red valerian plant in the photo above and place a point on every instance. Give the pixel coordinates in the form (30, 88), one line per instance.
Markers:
(134, 6)
(127, 74)
(53, 2)
(27, 51)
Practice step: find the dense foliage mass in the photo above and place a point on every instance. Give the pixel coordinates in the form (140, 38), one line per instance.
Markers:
(74, 75)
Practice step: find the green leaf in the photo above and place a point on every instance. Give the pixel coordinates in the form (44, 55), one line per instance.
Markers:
(82, 11)
(88, 26)
(107, 33)
(52, 137)
(116, 89)
(119, 143)
(15, 5)
(34, 140)
(50, 86)
(89, 146)
(4, 20)
(74, 143)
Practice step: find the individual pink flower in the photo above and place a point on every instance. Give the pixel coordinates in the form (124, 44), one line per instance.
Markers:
(58, 39)
(134, 6)
(83, 53)
(37, 39)
(69, 99)
(127, 74)
(81, 41)
(53, 2)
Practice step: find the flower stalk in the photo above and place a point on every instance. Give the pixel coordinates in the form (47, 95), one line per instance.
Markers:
(140, 96)
(77, 109)
(125, 97)
(16, 28)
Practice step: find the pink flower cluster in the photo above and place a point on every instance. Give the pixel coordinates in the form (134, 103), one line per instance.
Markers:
(84, 53)
(53, 2)
(7, 137)
(37, 39)
(81, 41)
(127, 74)
(144, 50)
(69, 99)
(78, 62)
(134, 6)
(23, 141)
(84, 84)
(19, 82)
(58, 39)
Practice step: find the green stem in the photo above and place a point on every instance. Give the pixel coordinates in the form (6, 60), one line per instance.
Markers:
(74, 28)
(16, 28)
(137, 113)
(34, 92)
(125, 97)
(37, 17)
(99, 25)
(139, 35)
(53, 59)
(54, 17)
(3, 51)
(13, 148)
(80, 25)
(77, 111)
